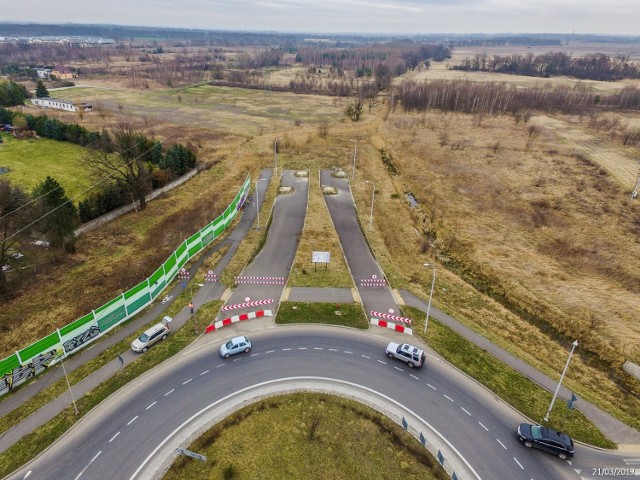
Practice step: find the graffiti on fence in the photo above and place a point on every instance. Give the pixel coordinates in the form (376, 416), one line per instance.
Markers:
(21, 374)
(79, 340)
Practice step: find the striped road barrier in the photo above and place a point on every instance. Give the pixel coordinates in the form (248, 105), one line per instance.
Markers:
(237, 318)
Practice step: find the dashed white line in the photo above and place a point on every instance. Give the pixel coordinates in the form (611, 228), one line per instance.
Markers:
(431, 386)
(348, 352)
(170, 392)
(151, 405)
(27, 475)
(466, 411)
(384, 363)
(221, 365)
(398, 368)
(412, 375)
(269, 351)
(132, 420)
(85, 468)
(483, 426)
(448, 397)
(503, 445)
(187, 381)
(318, 348)
(205, 372)
(302, 348)
(333, 350)
(364, 356)
(519, 464)
(286, 349)
(114, 437)
(255, 354)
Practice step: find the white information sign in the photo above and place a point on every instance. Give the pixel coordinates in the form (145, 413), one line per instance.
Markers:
(320, 257)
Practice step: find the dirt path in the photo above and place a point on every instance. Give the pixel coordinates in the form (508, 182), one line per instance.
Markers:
(616, 159)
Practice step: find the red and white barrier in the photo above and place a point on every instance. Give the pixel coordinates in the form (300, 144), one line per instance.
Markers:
(261, 280)
(391, 326)
(237, 318)
(255, 303)
(391, 317)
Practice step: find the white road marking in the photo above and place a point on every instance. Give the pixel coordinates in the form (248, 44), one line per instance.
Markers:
(519, 464)
(269, 351)
(398, 368)
(132, 420)
(448, 397)
(221, 365)
(348, 352)
(412, 375)
(302, 348)
(255, 354)
(384, 363)
(205, 372)
(364, 356)
(483, 426)
(114, 437)
(27, 474)
(85, 468)
(318, 348)
(151, 405)
(333, 350)
(187, 381)
(503, 445)
(431, 386)
(314, 380)
(631, 461)
(286, 349)
(170, 392)
(466, 411)
(432, 356)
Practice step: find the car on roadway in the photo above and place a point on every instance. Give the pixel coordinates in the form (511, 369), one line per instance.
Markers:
(547, 439)
(158, 332)
(235, 345)
(412, 356)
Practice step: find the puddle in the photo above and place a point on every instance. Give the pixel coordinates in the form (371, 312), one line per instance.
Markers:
(413, 203)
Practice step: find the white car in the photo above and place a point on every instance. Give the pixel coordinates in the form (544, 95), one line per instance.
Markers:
(158, 332)
(412, 356)
(235, 345)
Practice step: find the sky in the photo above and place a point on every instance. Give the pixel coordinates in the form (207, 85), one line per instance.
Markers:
(344, 16)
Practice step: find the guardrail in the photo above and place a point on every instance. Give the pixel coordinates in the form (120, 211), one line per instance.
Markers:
(37, 357)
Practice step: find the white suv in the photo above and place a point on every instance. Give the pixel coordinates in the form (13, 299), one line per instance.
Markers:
(158, 332)
(412, 356)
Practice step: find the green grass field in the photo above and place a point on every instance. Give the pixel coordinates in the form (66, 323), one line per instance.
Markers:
(30, 161)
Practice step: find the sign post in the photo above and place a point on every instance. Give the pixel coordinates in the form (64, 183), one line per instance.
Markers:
(320, 257)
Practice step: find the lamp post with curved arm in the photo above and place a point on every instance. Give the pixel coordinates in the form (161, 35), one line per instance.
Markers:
(355, 153)
(258, 202)
(373, 194)
(275, 154)
(555, 394)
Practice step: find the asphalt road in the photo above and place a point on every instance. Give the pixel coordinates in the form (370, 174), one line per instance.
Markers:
(115, 439)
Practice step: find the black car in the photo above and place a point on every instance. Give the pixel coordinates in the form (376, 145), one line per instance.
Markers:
(546, 439)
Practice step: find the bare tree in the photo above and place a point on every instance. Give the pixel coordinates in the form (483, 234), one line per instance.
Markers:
(128, 166)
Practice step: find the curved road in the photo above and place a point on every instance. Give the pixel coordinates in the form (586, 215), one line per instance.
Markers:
(114, 440)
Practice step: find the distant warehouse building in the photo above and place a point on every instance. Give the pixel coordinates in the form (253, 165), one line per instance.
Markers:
(48, 102)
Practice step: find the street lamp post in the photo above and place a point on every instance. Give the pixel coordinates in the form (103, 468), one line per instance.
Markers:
(433, 282)
(258, 202)
(573, 347)
(195, 314)
(275, 154)
(373, 194)
(355, 153)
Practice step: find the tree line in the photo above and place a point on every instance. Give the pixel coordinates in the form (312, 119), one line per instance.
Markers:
(593, 66)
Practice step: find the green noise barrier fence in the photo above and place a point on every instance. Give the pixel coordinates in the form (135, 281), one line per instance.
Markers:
(37, 357)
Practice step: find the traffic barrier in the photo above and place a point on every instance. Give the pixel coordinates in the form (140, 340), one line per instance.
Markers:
(391, 317)
(391, 326)
(237, 318)
(373, 282)
(255, 303)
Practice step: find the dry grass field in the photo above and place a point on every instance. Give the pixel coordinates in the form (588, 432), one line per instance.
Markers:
(542, 221)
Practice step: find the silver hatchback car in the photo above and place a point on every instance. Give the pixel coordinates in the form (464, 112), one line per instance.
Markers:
(235, 345)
